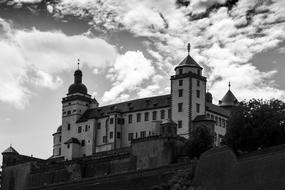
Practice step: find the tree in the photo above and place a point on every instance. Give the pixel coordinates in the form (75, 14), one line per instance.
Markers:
(256, 124)
(201, 139)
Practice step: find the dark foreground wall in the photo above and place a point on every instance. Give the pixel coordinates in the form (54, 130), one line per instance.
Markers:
(136, 180)
(221, 169)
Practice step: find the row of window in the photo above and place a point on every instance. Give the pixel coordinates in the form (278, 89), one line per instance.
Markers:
(180, 71)
(180, 82)
(111, 136)
(219, 121)
(80, 128)
(180, 93)
(69, 112)
(139, 117)
(180, 107)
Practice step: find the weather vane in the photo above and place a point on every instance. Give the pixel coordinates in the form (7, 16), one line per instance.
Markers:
(188, 48)
(78, 63)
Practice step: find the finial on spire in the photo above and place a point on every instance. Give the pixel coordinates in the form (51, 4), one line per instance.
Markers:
(188, 48)
(78, 63)
(229, 85)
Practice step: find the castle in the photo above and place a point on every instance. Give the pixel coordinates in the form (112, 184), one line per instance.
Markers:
(88, 128)
(128, 145)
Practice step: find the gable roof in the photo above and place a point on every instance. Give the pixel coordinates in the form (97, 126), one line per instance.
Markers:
(141, 105)
(129, 106)
(10, 150)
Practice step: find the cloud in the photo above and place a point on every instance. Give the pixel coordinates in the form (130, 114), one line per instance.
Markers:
(129, 72)
(37, 58)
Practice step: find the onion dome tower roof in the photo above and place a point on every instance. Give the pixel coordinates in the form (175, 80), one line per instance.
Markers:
(10, 150)
(77, 86)
(229, 99)
(188, 61)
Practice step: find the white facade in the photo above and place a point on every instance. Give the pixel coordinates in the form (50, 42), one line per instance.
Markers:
(87, 128)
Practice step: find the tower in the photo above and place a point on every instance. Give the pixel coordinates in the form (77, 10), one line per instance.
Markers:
(77, 101)
(229, 101)
(188, 90)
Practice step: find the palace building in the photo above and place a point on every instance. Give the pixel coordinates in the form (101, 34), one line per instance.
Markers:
(88, 128)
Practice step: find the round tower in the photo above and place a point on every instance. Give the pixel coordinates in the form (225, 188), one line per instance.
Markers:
(229, 101)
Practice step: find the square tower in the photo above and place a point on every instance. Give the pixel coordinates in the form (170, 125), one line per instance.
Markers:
(188, 91)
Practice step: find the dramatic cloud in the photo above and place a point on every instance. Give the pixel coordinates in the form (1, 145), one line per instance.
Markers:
(37, 58)
(224, 36)
(128, 73)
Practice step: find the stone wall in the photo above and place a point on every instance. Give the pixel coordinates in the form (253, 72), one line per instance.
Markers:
(221, 169)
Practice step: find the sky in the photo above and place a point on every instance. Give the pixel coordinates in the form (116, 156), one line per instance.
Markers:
(127, 50)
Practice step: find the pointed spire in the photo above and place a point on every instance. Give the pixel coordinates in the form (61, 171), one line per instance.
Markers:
(188, 48)
(229, 85)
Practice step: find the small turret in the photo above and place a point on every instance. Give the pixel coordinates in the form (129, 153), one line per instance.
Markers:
(10, 156)
(229, 101)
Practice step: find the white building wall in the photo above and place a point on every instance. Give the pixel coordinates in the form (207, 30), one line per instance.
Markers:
(185, 100)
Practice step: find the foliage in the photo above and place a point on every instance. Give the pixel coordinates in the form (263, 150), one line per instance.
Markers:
(201, 139)
(256, 124)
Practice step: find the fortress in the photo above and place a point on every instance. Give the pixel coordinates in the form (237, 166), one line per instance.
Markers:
(128, 140)
(88, 128)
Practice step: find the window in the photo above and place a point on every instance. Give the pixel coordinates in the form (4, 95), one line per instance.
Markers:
(130, 118)
(83, 143)
(86, 127)
(146, 115)
(59, 138)
(111, 135)
(98, 125)
(180, 107)
(180, 71)
(68, 145)
(180, 92)
(198, 83)
(143, 134)
(79, 129)
(179, 124)
(154, 114)
(162, 114)
(111, 120)
(149, 133)
(220, 122)
(130, 136)
(199, 72)
(68, 127)
(118, 135)
(198, 93)
(136, 135)
(198, 108)
(74, 111)
(169, 113)
(138, 117)
(68, 112)
(104, 139)
(59, 151)
(180, 82)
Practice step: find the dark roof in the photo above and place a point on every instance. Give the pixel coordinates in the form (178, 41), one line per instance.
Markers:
(189, 62)
(10, 150)
(202, 118)
(72, 140)
(140, 105)
(229, 99)
(59, 129)
(218, 110)
(130, 106)
(77, 88)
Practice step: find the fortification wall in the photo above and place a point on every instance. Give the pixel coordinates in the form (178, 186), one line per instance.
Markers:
(221, 169)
